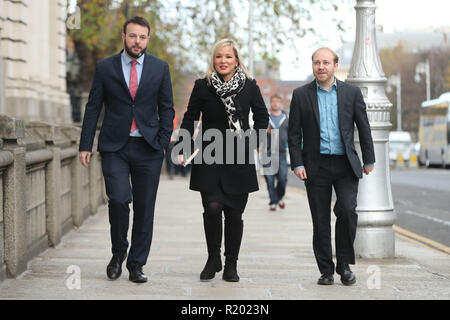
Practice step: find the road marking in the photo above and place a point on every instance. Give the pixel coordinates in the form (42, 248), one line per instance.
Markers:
(423, 216)
(443, 249)
(407, 235)
(399, 235)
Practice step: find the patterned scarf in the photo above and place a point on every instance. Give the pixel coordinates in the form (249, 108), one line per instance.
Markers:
(227, 91)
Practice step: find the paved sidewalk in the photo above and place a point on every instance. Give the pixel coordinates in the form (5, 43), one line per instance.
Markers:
(276, 260)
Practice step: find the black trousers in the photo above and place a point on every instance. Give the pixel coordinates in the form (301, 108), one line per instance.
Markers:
(334, 171)
(140, 162)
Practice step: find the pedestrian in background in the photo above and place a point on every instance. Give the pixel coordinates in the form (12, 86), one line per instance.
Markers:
(276, 168)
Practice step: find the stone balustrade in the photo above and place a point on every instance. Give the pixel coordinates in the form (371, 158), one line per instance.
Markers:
(44, 190)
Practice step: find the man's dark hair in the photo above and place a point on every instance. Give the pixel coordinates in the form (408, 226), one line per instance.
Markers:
(137, 20)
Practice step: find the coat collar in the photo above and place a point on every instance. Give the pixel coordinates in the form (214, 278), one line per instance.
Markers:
(119, 71)
(315, 104)
(340, 100)
(312, 87)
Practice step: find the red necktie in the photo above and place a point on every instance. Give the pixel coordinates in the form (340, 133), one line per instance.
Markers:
(133, 89)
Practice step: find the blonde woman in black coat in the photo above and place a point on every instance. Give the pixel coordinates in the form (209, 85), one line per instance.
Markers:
(224, 98)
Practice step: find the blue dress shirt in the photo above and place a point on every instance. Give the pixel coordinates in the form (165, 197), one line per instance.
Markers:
(330, 136)
(126, 67)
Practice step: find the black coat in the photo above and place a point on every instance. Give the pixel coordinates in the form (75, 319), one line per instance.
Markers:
(152, 107)
(304, 126)
(234, 178)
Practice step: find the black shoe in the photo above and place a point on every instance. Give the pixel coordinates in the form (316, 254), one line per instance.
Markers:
(136, 274)
(114, 268)
(347, 276)
(213, 265)
(230, 272)
(326, 279)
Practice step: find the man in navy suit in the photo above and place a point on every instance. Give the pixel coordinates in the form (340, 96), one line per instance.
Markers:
(136, 90)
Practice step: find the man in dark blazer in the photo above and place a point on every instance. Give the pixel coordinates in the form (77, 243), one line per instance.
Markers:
(136, 90)
(322, 150)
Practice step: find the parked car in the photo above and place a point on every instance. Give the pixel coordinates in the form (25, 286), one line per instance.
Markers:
(399, 147)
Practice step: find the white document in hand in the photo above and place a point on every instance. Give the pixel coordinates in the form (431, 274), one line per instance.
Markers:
(188, 160)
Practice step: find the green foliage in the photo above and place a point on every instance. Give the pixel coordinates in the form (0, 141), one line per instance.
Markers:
(276, 23)
(101, 28)
(102, 22)
(183, 32)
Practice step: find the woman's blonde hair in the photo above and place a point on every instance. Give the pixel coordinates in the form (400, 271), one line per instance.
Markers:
(220, 44)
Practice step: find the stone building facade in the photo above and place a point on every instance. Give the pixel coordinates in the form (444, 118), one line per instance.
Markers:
(33, 60)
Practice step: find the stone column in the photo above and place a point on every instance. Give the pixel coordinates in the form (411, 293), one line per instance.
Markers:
(6, 159)
(52, 180)
(2, 86)
(14, 197)
(2, 63)
(73, 133)
(375, 236)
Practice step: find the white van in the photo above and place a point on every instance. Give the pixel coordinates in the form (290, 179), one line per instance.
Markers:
(399, 145)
